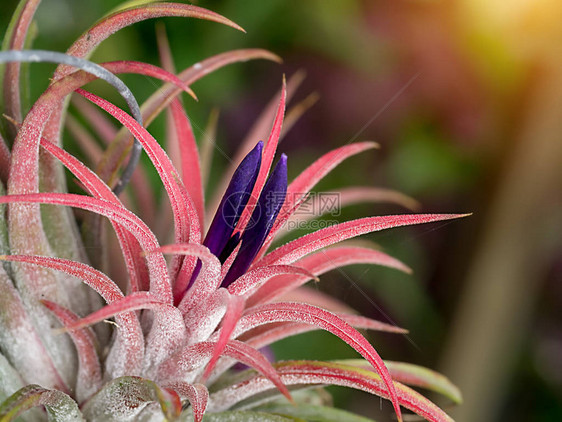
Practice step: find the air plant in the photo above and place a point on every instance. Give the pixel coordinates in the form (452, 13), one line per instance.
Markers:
(179, 325)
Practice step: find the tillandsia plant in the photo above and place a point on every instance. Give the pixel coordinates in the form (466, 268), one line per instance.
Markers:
(181, 322)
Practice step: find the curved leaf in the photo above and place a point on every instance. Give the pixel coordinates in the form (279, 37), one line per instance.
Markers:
(298, 248)
(159, 283)
(307, 179)
(26, 219)
(147, 69)
(60, 407)
(85, 45)
(248, 416)
(197, 394)
(193, 357)
(89, 371)
(186, 219)
(300, 312)
(234, 310)
(266, 335)
(128, 348)
(208, 279)
(312, 413)
(416, 376)
(27, 353)
(306, 373)
(15, 39)
(256, 277)
(185, 215)
(96, 187)
(124, 398)
(11, 380)
(132, 302)
(323, 261)
(163, 97)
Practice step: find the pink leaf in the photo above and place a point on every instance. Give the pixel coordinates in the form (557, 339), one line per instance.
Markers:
(28, 354)
(311, 373)
(181, 141)
(204, 317)
(233, 313)
(146, 69)
(256, 277)
(299, 188)
(89, 371)
(94, 278)
(98, 120)
(185, 216)
(94, 185)
(259, 130)
(197, 394)
(190, 358)
(187, 227)
(298, 248)
(301, 312)
(16, 41)
(208, 279)
(307, 179)
(350, 196)
(191, 172)
(265, 335)
(164, 96)
(365, 323)
(128, 350)
(157, 265)
(26, 219)
(321, 262)
(315, 297)
(132, 302)
(113, 23)
(340, 256)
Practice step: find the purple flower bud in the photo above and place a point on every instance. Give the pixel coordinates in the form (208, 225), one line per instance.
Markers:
(233, 202)
(267, 208)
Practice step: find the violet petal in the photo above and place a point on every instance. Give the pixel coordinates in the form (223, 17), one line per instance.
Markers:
(267, 208)
(233, 201)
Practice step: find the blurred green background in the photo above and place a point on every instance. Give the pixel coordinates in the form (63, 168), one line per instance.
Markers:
(465, 98)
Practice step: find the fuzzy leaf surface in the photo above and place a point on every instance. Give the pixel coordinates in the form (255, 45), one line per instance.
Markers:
(313, 413)
(60, 407)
